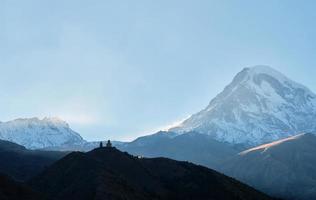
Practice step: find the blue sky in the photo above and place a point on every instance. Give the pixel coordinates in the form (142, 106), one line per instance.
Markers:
(121, 69)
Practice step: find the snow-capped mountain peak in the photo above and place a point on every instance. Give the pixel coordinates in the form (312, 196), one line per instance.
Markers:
(35, 133)
(263, 69)
(258, 72)
(259, 105)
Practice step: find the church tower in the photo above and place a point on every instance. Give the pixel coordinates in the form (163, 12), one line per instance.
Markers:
(109, 144)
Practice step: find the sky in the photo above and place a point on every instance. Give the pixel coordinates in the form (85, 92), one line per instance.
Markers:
(121, 69)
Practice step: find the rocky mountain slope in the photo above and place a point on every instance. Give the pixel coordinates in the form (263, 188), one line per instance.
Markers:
(260, 105)
(107, 173)
(284, 168)
(34, 133)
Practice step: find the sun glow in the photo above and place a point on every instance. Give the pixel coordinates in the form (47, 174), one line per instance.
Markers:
(78, 118)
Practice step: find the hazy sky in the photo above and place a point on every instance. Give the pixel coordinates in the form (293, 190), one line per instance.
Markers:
(120, 69)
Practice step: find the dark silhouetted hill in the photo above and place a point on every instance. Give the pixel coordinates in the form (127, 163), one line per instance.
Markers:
(21, 163)
(107, 173)
(11, 190)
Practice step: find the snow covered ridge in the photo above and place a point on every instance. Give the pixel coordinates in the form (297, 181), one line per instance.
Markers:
(34, 133)
(265, 147)
(260, 105)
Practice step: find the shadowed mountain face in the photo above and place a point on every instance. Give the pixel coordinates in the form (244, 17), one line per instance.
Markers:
(11, 190)
(260, 105)
(194, 147)
(106, 173)
(285, 168)
(21, 163)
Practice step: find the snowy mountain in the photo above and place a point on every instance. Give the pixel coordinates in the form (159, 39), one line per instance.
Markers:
(34, 133)
(260, 105)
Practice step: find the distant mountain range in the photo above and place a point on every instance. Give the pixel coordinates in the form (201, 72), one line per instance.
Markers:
(260, 106)
(107, 173)
(284, 168)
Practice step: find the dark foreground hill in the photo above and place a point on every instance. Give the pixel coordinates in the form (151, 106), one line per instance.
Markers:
(21, 163)
(284, 168)
(107, 173)
(11, 190)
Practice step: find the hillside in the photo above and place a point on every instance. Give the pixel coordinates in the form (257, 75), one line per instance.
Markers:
(21, 163)
(284, 168)
(11, 190)
(107, 173)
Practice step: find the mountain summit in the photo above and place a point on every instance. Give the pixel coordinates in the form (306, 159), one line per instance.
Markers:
(260, 105)
(34, 133)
